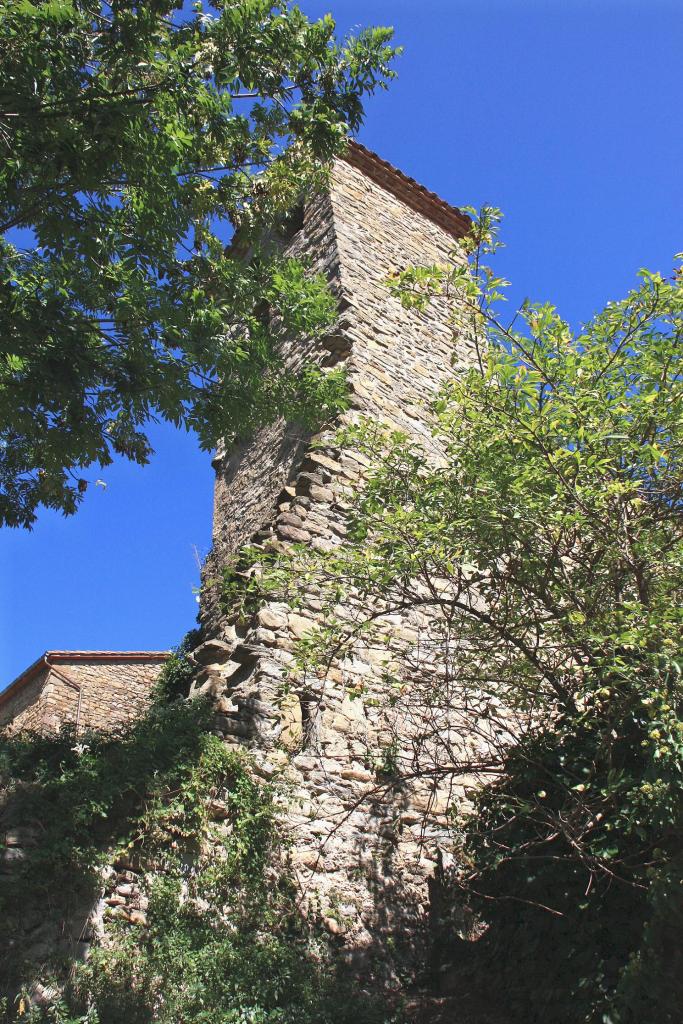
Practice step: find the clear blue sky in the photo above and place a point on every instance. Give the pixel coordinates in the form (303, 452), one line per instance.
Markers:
(565, 113)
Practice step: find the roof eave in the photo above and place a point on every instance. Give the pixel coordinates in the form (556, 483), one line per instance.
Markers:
(51, 657)
(416, 196)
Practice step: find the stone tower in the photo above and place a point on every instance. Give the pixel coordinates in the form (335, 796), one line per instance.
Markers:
(363, 852)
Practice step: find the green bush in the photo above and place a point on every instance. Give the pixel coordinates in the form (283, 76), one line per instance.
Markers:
(574, 861)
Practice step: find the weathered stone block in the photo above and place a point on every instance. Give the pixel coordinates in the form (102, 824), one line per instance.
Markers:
(319, 493)
(272, 618)
(293, 534)
(291, 732)
(299, 625)
(212, 651)
(317, 460)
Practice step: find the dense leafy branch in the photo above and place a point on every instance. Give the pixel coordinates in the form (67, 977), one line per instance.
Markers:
(132, 139)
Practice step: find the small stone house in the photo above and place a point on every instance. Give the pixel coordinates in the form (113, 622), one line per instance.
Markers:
(86, 689)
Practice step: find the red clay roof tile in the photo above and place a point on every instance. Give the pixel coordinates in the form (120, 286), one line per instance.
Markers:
(409, 191)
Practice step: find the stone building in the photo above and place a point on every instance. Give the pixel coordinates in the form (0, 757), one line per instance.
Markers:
(86, 689)
(363, 851)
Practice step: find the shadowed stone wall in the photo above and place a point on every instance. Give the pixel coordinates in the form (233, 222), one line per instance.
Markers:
(101, 690)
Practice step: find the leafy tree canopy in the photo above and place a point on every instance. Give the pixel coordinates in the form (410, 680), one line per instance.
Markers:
(546, 552)
(130, 136)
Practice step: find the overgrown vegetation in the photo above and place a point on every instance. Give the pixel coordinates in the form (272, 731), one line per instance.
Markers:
(220, 937)
(176, 676)
(546, 554)
(135, 137)
(574, 859)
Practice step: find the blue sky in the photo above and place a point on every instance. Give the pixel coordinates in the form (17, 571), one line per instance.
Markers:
(564, 113)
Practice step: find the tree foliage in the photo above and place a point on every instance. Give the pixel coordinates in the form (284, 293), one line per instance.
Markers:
(545, 547)
(131, 137)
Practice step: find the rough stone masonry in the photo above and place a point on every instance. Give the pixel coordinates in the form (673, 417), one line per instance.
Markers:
(363, 853)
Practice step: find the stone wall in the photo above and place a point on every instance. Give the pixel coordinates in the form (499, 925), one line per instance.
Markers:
(88, 690)
(250, 476)
(363, 850)
(22, 707)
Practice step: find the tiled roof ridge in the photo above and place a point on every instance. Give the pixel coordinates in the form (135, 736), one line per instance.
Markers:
(124, 655)
(48, 657)
(407, 189)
